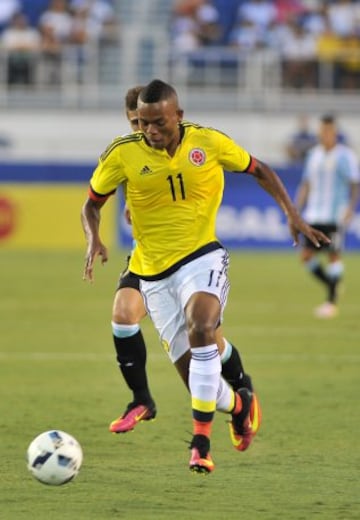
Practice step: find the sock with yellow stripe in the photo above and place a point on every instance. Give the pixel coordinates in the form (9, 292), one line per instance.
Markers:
(226, 397)
(204, 380)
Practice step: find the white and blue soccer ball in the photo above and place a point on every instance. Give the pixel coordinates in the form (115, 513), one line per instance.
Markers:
(54, 457)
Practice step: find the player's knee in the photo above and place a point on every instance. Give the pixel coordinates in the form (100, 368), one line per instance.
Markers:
(128, 312)
(128, 307)
(125, 317)
(201, 332)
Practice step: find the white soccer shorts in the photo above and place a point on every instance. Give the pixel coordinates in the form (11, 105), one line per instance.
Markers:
(165, 300)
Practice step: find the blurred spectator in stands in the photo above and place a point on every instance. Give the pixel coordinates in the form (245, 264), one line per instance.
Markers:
(8, 8)
(278, 33)
(55, 27)
(328, 50)
(299, 57)
(22, 44)
(286, 9)
(261, 13)
(57, 17)
(84, 28)
(300, 141)
(246, 36)
(195, 23)
(338, 46)
(93, 22)
(96, 18)
(342, 17)
(349, 64)
(186, 7)
(314, 19)
(51, 56)
(184, 35)
(207, 19)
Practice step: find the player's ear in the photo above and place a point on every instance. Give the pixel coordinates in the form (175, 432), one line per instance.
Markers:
(180, 114)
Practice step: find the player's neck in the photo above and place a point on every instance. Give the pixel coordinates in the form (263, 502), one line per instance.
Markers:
(174, 143)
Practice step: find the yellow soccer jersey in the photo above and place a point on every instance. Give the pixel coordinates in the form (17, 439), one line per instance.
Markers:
(173, 201)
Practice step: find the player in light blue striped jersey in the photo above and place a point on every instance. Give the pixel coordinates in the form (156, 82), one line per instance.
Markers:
(328, 194)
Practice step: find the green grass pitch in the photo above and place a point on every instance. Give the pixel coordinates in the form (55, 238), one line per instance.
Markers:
(58, 370)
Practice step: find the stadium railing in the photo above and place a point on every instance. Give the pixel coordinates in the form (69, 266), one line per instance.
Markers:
(94, 76)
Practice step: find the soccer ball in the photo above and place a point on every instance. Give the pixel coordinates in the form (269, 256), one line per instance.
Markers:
(54, 457)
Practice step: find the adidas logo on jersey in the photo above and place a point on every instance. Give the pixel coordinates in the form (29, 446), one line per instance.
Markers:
(145, 170)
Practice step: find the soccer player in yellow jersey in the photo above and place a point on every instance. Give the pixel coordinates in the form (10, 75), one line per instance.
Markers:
(173, 174)
(128, 311)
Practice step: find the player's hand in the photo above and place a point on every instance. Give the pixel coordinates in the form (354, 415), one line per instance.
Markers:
(93, 251)
(297, 225)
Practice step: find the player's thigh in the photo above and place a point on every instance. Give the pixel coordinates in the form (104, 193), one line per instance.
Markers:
(167, 315)
(203, 286)
(128, 306)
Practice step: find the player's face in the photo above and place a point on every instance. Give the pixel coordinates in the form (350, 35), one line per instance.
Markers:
(159, 122)
(328, 135)
(133, 119)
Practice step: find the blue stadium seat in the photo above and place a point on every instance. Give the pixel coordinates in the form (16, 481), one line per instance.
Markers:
(34, 9)
(228, 15)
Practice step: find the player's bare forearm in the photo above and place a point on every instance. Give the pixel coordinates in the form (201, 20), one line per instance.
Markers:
(351, 208)
(90, 218)
(272, 183)
(354, 195)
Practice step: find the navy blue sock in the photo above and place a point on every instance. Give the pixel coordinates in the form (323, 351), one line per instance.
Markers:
(131, 356)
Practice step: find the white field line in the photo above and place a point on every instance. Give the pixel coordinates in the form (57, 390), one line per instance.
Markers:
(95, 357)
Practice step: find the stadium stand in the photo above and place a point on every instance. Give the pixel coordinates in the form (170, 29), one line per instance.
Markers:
(264, 53)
